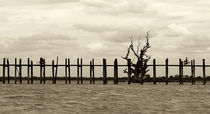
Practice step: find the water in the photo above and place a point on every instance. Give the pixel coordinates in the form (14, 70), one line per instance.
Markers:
(122, 98)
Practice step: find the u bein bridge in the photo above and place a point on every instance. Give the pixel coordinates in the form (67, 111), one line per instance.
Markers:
(18, 73)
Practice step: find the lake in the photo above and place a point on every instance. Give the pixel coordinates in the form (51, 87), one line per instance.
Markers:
(98, 98)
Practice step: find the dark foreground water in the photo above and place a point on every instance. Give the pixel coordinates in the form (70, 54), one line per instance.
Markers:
(122, 98)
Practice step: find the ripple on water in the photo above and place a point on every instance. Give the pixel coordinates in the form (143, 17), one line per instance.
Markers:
(121, 98)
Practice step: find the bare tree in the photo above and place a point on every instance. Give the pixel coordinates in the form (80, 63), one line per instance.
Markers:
(139, 67)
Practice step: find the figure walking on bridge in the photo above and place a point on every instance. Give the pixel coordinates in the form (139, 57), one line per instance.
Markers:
(42, 61)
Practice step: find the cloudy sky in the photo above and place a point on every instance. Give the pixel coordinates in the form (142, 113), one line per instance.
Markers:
(101, 28)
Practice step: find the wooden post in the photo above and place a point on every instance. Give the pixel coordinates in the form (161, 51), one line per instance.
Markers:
(56, 70)
(44, 71)
(4, 70)
(104, 72)
(20, 70)
(91, 78)
(204, 72)
(8, 71)
(77, 70)
(167, 71)
(154, 71)
(81, 71)
(194, 71)
(182, 64)
(93, 68)
(41, 61)
(66, 70)
(32, 77)
(180, 72)
(15, 70)
(28, 70)
(115, 71)
(69, 69)
(141, 78)
(129, 71)
(53, 72)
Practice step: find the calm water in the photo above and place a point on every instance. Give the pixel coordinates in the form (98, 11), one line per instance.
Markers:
(122, 98)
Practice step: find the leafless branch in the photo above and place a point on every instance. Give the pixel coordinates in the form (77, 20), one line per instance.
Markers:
(140, 68)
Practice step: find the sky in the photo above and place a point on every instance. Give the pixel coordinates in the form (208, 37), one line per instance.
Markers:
(102, 28)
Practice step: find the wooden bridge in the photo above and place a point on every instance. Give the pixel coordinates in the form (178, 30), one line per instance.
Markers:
(18, 75)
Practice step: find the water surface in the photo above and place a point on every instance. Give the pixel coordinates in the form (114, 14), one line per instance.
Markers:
(122, 98)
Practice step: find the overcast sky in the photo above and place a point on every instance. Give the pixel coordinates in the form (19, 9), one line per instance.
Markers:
(101, 28)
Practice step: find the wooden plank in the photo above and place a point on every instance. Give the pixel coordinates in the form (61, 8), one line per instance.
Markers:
(204, 72)
(167, 71)
(154, 71)
(104, 72)
(129, 70)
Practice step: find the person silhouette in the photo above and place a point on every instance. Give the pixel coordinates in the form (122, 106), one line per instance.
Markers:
(186, 61)
(42, 61)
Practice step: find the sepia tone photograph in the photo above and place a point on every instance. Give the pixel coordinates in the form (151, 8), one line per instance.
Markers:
(104, 57)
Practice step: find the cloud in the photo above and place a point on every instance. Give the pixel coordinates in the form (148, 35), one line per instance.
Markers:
(52, 45)
(93, 27)
(194, 44)
(39, 44)
(178, 29)
(102, 28)
(115, 7)
(113, 33)
(15, 3)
